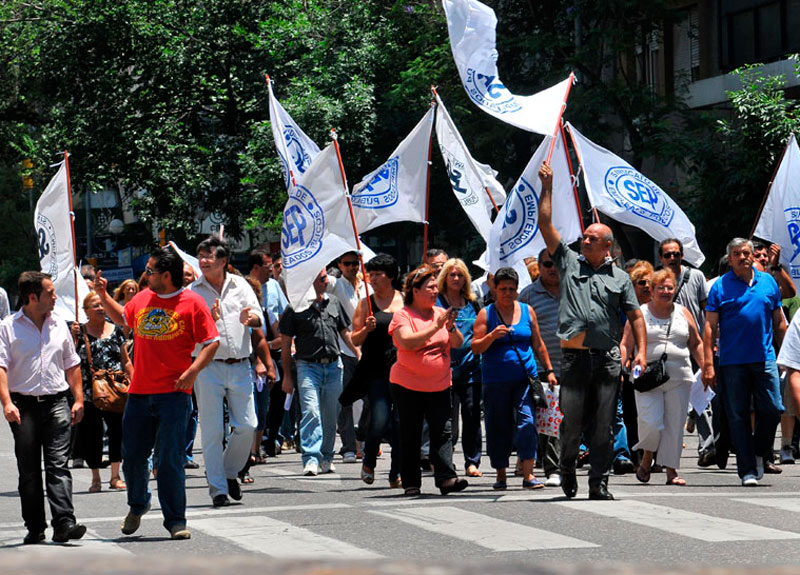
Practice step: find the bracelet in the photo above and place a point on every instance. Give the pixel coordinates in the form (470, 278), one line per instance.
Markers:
(776, 268)
(547, 371)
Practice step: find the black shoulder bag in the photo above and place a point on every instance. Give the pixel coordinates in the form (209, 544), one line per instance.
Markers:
(655, 373)
(538, 398)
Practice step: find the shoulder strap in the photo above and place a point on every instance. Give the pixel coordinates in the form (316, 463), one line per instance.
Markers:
(684, 279)
(516, 349)
(88, 348)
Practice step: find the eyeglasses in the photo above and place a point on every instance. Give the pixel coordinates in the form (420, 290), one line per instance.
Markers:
(643, 283)
(150, 272)
(547, 264)
(671, 255)
(350, 264)
(209, 257)
(665, 288)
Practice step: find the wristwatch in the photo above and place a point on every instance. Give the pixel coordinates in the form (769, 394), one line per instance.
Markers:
(547, 371)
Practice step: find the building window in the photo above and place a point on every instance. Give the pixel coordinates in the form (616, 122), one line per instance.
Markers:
(756, 31)
(686, 46)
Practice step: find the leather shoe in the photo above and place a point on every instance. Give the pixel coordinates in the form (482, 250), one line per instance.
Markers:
(191, 465)
(221, 500)
(770, 467)
(600, 493)
(569, 484)
(234, 490)
(70, 531)
(452, 485)
(623, 466)
(33, 537)
(707, 459)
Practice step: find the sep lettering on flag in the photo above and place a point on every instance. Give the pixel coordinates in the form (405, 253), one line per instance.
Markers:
(396, 190)
(295, 149)
(51, 219)
(316, 227)
(470, 180)
(472, 28)
(779, 221)
(515, 232)
(619, 191)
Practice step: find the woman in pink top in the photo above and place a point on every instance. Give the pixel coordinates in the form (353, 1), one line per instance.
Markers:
(423, 335)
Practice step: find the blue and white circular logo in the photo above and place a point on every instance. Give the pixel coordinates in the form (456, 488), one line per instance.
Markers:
(521, 219)
(303, 228)
(637, 194)
(287, 178)
(792, 216)
(380, 190)
(299, 157)
(48, 248)
(456, 173)
(487, 90)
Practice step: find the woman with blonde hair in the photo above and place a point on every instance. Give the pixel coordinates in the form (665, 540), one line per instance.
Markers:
(454, 292)
(125, 291)
(642, 277)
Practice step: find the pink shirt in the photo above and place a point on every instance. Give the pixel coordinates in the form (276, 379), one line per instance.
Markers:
(426, 368)
(35, 361)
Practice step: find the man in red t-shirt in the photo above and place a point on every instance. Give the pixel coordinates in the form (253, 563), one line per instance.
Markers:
(167, 322)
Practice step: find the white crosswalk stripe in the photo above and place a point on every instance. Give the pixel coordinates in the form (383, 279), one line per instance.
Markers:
(787, 504)
(91, 542)
(483, 530)
(278, 538)
(679, 521)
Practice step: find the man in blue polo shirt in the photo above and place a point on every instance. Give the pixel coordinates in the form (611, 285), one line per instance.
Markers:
(744, 308)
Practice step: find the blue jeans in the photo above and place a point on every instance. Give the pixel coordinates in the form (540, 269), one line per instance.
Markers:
(622, 451)
(760, 382)
(510, 420)
(383, 422)
(148, 418)
(318, 388)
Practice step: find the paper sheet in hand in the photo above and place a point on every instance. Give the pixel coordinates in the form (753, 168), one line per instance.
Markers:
(699, 398)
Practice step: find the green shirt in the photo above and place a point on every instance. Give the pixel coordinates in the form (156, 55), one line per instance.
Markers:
(591, 299)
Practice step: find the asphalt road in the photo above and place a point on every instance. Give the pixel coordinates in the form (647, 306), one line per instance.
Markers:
(286, 517)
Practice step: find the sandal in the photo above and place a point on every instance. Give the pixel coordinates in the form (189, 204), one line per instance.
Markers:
(396, 483)
(473, 471)
(411, 492)
(117, 483)
(532, 484)
(95, 487)
(246, 478)
(677, 481)
(643, 474)
(367, 477)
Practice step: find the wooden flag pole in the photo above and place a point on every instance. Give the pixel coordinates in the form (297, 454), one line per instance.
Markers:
(352, 221)
(769, 189)
(572, 177)
(595, 215)
(72, 226)
(427, 192)
(560, 115)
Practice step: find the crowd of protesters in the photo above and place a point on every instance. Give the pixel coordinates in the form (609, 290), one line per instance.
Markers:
(413, 361)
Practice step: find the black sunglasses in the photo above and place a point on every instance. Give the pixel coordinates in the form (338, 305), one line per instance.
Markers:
(643, 283)
(670, 255)
(350, 264)
(547, 264)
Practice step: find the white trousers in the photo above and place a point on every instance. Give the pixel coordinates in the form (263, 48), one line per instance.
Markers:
(661, 415)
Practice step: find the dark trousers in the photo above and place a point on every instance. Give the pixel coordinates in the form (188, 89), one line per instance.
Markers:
(44, 429)
(191, 430)
(383, 422)
(549, 447)
(589, 389)
(90, 435)
(345, 424)
(436, 408)
(467, 396)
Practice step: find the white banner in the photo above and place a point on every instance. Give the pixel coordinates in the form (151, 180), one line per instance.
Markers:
(624, 194)
(189, 259)
(295, 149)
(51, 219)
(395, 192)
(515, 232)
(472, 28)
(468, 179)
(315, 227)
(780, 219)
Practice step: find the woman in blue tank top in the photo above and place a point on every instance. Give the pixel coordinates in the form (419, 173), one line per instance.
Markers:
(507, 335)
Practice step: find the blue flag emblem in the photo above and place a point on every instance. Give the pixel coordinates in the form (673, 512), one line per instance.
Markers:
(793, 227)
(455, 171)
(637, 194)
(381, 190)
(521, 219)
(487, 90)
(300, 159)
(303, 228)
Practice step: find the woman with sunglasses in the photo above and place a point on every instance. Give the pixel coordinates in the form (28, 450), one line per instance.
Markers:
(642, 276)
(423, 335)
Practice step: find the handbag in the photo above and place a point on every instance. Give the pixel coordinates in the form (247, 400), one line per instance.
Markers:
(655, 373)
(109, 387)
(535, 386)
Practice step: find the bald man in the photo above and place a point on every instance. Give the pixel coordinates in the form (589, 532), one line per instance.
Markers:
(592, 293)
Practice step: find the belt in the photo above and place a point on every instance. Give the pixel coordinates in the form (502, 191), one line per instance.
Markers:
(324, 360)
(38, 398)
(232, 360)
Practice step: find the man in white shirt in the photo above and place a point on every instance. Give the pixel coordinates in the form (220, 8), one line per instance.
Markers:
(5, 308)
(38, 363)
(235, 308)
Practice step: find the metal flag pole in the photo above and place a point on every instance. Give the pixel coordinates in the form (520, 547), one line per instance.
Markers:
(72, 227)
(352, 221)
(427, 192)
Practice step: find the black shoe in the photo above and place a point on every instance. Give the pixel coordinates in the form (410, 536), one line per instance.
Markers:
(234, 490)
(70, 531)
(33, 537)
(721, 458)
(221, 500)
(623, 466)
(425, 464)
(707, 459)
(191, 465)
(452, 485)
(600, 493)
(569, 484)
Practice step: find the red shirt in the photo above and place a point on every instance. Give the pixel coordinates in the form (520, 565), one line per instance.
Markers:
(165, 332)
(426, 368)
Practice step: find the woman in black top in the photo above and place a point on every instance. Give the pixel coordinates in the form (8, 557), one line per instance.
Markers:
(371, 332)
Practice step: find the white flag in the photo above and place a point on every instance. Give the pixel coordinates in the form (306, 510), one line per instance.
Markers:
(624, 194)
(54, 238)
(515, 232)
(191, 260)
(395, 192)
(468, 179)
(472, 26)
(780, 219)
(315, 224)
(295, 149)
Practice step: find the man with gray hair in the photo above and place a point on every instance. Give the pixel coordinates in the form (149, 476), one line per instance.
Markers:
(744, 309)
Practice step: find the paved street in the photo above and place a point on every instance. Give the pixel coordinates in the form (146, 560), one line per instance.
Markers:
(712, 521)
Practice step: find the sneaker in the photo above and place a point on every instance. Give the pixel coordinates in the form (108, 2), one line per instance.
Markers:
(349, 457)
(749, 480)
(553, 480)
(787, 456)
(179, 532)
(311, 468)
(759, 467)
(132, 521)
(220, 500)
(327, 467)
(70, 531)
